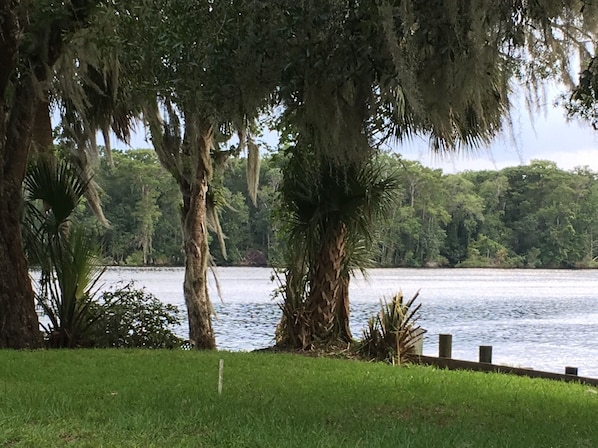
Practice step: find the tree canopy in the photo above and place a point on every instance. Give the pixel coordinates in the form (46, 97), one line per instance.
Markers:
(531, 216)
(345, 76)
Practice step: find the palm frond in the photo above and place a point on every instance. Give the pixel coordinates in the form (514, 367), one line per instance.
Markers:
(58, 187)
(393, 333)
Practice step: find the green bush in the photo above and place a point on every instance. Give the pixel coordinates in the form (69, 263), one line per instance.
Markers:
(130, 317)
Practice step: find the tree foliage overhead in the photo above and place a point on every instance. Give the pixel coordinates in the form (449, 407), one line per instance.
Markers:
(359, 71)
(200, 62)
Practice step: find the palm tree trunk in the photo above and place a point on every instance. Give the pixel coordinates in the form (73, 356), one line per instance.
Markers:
(343, 310)
(19, 325)
(328, 295)
(195, 234)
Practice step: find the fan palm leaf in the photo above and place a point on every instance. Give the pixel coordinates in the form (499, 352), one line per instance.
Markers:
(67, 256)
(58, 187)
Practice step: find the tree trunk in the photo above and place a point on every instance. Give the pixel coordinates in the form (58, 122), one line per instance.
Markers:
(19, 324)
(195, 234)
(328, 294)
(343, 310)
(188, 159)
(42, 138)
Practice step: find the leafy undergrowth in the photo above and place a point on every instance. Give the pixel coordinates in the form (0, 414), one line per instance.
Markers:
(144, 398)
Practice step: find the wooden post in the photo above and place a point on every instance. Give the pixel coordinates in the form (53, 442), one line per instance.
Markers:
(486, 354)
(220, 375)
(445, 346)
(571, 371)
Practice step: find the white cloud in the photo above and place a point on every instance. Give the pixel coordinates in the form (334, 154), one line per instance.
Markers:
(546, 136)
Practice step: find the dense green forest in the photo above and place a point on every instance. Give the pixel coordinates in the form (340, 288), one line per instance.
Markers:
(526, 216)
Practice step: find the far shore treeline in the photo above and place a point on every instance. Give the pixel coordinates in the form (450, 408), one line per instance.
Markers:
(533, 216)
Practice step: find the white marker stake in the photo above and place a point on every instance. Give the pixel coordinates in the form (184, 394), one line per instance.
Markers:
(220, 370)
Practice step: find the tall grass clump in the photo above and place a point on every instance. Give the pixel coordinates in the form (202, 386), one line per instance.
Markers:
(392, 335)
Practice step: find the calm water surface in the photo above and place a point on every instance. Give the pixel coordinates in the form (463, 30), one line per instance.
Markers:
(544, 319)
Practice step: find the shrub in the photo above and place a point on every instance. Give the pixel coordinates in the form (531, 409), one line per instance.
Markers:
(130, 317)
(392, 334)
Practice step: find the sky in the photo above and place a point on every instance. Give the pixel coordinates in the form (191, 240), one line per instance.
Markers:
(544, 134)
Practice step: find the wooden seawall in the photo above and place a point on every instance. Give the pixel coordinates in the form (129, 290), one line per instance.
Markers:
(456, 364)
(445, 361)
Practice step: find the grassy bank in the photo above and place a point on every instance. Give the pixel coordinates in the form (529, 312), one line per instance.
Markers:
(170, 399)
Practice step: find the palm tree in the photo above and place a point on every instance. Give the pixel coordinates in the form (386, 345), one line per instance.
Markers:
(66, 255)
(91, 93)
(330, 215)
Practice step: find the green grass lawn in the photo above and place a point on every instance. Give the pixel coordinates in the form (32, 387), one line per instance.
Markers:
(118, 398)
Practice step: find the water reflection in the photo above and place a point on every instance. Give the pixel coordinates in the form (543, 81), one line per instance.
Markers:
(247, 326)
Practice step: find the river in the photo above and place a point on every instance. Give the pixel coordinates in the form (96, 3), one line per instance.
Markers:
(543, 319)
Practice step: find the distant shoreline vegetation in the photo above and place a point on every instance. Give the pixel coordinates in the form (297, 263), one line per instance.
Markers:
(533, 216)
(463, 266)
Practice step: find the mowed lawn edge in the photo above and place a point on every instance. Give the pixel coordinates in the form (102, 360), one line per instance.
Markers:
(160, 398)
